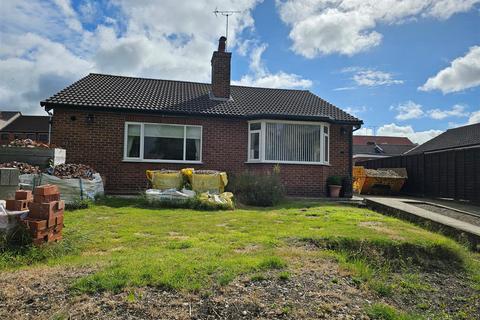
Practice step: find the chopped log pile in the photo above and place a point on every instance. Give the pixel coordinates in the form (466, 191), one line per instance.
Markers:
(29, 143)
(23, 167)
(72, 170)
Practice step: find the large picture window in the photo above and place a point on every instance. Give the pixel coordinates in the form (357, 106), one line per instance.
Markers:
(162, 142)
(288, 142)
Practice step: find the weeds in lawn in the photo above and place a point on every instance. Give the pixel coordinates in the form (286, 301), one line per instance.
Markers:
(179, 245)
(386, 266)
(194, 203)
(78, 204)
(396, 253)
(284, 275)
(258, 277)
(381, 311)
(272, 263)
(25, 253)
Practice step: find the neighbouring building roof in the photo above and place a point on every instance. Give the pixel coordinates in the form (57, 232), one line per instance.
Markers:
(364, 140)
(386, 150)
(28, 124)
(119, 93)
(8, 116)
(460, 137)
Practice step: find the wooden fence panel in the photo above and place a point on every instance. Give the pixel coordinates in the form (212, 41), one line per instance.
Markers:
(449, 174)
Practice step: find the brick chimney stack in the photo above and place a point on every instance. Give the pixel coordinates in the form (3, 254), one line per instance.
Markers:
(221, 71)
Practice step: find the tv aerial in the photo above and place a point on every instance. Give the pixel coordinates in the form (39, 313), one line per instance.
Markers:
(226, 14)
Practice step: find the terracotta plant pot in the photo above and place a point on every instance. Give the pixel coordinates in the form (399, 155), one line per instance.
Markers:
(334, 190)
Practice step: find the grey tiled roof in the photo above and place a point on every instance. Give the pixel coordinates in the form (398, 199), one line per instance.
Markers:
(28, 124)
(388, 149)
(465, 136)
(109, 92)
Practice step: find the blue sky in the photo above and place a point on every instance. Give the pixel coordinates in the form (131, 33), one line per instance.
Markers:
(405, 67)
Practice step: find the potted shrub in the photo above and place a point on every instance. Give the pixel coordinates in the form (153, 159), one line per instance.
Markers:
(334, 185)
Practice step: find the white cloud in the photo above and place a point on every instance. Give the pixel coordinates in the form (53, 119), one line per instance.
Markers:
(355, 111)
(463, 73)
(474, 117)
(344, 88)
(320, 27)
(370, 77)
(456, 111)
(411, 110)
(44, 45)
(70, 14)
(395, 130)
(39, 68)
(407, 131)
(364, 131)
(261, 77)
(408, 110)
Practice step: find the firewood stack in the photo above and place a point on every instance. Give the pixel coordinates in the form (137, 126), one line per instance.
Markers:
(45, 219)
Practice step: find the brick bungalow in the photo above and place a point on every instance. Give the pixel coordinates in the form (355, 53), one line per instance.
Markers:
(123, 126)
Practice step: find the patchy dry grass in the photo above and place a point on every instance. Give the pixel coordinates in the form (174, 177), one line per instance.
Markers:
(131, 246)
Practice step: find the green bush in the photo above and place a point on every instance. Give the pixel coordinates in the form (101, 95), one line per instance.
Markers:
(78, 204)
(334, 180)
(258, 189)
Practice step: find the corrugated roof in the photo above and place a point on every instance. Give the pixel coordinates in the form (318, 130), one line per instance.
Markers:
(109, 92)
(465, 136)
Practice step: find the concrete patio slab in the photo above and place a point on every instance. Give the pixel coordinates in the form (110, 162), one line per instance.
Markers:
(405, 208)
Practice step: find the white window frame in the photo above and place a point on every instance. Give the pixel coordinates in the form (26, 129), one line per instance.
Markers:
(142, 137)
(250, 132)
(263, 141)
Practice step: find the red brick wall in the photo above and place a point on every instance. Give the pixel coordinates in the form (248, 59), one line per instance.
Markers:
(100, 145)
(221, 74)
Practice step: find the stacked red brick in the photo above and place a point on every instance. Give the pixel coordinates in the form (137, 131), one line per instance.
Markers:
(45, 219)
(21, 201)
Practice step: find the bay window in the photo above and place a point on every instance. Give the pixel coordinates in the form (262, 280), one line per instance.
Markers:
(288, 142)
(154, 142)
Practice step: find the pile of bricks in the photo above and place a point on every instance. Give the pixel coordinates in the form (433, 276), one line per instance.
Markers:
(45, 217)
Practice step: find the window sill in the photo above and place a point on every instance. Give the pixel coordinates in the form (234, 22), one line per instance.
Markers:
(289, 162)
(162, 161)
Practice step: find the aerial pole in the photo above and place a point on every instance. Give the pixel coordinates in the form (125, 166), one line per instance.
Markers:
(226, 14)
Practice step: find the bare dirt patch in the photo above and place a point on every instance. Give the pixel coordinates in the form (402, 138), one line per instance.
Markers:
(309, 293)
(444, 294)
(36, 293)
(311, 288)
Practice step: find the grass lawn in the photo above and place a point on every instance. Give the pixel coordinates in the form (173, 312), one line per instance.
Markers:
(130, 246)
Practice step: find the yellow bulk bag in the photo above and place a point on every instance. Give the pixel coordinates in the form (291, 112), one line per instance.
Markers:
(209, 181)
(187, 173)
(165, 179)
(221, 201)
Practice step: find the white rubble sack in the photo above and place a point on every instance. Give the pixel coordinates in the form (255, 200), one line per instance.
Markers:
(169, 195)
(70, 189)
(8, 219)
